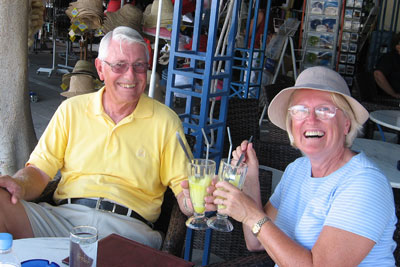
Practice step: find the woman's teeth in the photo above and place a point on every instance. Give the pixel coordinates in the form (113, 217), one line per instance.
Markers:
(314, 134)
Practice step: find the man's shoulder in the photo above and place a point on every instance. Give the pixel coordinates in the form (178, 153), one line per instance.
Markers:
(160, 109)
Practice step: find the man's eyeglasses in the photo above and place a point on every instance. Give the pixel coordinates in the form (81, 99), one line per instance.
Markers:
(323, 112)
(122, 67)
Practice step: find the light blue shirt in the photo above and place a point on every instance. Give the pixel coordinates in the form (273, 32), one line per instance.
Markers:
(356, 198)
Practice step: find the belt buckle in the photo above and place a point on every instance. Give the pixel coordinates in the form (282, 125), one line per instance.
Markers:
(98, 203)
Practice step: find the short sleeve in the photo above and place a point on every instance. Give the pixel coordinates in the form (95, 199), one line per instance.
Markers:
(362, 205)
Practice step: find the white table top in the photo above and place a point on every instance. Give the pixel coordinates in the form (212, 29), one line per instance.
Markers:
(384, 154)
(387, 118)
(53, 249)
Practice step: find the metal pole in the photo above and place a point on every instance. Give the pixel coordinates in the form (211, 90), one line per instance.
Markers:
(153, 71)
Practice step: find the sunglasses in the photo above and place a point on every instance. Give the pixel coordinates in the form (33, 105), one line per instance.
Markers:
(323, 112)
(122, 67)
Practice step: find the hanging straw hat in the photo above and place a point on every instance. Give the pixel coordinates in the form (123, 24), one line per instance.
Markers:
(89, 12)
(128, 15)
(314, 78)
(151, 11)
(81, 67)
(80, 84)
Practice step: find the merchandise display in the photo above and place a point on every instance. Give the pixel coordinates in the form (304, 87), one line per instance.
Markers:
(321, 27)
(350, 36)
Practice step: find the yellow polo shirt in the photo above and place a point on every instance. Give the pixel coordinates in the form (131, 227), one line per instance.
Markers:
(131, 162)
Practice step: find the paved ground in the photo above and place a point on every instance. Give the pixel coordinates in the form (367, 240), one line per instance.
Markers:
(47, 88)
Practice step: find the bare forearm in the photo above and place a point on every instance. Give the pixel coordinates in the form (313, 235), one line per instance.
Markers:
(251, 241)
(32, 180)
(383, 83)
(282, 249)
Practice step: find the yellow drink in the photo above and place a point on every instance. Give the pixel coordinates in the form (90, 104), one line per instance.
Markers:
(198, 190)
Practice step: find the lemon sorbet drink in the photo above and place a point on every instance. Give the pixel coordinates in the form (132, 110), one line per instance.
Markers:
(200, 174)
(235, 175)
(198, 190)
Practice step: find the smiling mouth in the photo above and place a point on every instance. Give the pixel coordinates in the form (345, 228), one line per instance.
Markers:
(127, 85)
(314, 134)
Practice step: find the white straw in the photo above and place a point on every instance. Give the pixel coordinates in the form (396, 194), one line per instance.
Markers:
(230, 145)
(207, 143)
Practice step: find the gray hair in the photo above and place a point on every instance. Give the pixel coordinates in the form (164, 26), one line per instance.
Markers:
(342, 104)
(121, 34)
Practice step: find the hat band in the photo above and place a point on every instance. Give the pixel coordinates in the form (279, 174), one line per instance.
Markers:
(319, 86)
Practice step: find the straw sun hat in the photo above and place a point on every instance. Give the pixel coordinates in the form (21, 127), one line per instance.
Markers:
(128, 15)
(151, 11)
(315, 78)
(81, 80)
(80, 84)
(90, 12)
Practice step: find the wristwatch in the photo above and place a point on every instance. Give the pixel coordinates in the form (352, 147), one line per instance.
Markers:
(257, 226)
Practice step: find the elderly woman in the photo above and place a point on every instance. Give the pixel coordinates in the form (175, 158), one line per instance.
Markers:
(332, 207)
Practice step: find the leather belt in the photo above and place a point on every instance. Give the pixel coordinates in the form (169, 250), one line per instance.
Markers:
(101, 204)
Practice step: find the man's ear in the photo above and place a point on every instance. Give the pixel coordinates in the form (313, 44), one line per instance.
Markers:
(99, 67)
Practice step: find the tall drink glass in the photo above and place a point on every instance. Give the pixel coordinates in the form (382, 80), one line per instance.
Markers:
(200, 172)
(236, 176)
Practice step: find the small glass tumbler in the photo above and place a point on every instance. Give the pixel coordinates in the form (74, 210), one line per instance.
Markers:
(83, 246)
(200, 173)
(235, 175)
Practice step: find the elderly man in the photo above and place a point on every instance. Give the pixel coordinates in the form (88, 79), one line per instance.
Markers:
(116, 150)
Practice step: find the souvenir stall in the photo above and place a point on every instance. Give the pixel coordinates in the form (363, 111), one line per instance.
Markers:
(333, 33)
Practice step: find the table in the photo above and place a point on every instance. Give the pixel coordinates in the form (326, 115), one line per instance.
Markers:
(387, 118)
(113, 250)
(53, 249)
(384, 154)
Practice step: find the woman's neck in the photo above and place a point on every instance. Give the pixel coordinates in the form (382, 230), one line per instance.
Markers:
(325, 165)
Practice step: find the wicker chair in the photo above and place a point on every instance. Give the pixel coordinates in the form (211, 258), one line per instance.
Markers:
(275, 155)
(273, 134)
(230, 246)
(171, 221)
(242, 119)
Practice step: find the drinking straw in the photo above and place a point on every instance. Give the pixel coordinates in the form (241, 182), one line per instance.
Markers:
(183, 146)
(230, 145)
(207, 143)
(242, 156)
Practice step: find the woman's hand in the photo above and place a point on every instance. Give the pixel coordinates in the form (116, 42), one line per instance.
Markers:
(252, 163)
(237, 204)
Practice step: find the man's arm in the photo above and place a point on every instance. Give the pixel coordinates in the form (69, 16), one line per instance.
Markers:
(384, 84)
(27, 183)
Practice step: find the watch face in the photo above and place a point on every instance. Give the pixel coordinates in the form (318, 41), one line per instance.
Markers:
(256, 229)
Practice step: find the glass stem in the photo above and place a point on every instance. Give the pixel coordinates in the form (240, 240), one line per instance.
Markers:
(222, 216)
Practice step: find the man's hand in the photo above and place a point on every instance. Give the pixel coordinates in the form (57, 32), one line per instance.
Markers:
(10, 184)
(187, 203)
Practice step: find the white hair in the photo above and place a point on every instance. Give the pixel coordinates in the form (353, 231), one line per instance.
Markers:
(121, 34)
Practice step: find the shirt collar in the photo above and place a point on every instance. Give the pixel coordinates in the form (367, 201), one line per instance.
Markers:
(144, 108)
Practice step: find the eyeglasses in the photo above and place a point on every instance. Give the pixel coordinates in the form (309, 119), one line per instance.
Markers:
(122, 67)
(323, 112)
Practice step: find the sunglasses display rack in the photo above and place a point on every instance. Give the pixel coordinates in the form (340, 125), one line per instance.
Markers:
(320, 33)
(350, 35)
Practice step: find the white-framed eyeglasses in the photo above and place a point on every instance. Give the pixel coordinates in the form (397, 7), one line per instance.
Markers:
(322, 112)
(122, 67)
